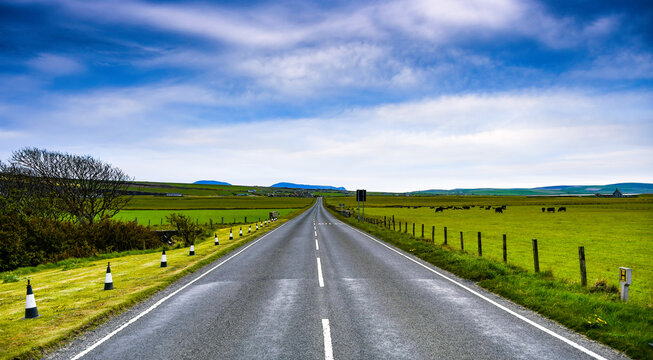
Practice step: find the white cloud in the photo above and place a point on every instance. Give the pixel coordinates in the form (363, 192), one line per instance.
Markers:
(624, 64)
(509, 139)
(438, 22)
(57, 65)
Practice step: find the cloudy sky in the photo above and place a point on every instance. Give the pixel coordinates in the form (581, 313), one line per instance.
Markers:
(383, 95)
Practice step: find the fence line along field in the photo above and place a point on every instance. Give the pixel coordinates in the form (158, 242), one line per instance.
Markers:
(614, 231)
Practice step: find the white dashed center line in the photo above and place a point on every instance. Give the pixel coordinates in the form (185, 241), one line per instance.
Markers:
(320, 279)
(328, 349)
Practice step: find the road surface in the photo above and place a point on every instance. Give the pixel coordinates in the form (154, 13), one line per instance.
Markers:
(316, 288)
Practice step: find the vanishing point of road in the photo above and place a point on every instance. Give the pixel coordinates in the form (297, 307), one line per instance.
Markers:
(315, 288)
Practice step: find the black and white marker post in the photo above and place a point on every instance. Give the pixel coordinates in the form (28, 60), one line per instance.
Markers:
(361, 196)
(192, 250)
(256, 227)
(164, 259)
(108, 280)
(216, 242)
(30, 304)
(241, 232)
(250, 229)
(231, 234)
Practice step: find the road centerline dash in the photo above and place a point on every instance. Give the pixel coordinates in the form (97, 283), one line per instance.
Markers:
(320, 279)
(328, 348)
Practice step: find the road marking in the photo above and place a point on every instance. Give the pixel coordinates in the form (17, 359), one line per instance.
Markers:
(320, 279)
(317, 246)
(521, 317)
(316, 233)
(135, 318)
(328, 349)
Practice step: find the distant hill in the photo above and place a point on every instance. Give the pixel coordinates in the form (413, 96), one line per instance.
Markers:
(309, 187)
(211, 182)
(626, 188)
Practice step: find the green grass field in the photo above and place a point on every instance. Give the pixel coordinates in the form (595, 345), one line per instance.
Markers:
(614, 232)
(147, 202)
(158, 217)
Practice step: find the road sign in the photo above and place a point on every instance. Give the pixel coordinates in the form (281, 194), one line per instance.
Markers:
(361, 195)
(625, 278)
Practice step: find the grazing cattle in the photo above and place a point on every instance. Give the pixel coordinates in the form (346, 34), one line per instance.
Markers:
(498, 210)
(543, 209)
(466, 207)
(504, 207)
(551, 210)
(562, 208)
(440, 209)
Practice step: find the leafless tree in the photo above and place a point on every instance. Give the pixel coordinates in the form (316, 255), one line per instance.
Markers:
(83, 188)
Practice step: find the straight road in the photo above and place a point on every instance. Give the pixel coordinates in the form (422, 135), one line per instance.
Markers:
(316, 288)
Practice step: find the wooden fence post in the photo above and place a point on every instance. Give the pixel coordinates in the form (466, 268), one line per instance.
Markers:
(445, 235)
(462, 245)
(422, 231)
(433, 234)
(393, 222)
(583, 272)
(161, 221)
(384, 223)
(413, 229)
(245, 219)
(223, 220)
(480, 249)
(505, 250)
(536, 258)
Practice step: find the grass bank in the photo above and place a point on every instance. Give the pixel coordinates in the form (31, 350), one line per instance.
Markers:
(70, 296)
(627, 327)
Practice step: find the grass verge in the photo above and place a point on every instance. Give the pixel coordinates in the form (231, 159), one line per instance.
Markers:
(71, 299)
(591, 311)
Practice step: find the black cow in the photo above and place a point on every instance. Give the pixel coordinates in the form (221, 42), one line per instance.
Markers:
(498, 210)
(466, 207)
(551, 210)
(562, 208)
(543, 209)
(440, 209)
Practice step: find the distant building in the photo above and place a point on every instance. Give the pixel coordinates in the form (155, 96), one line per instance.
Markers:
(173, 194)
(617, 193)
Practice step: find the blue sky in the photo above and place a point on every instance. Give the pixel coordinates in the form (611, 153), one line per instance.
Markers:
(384, 95)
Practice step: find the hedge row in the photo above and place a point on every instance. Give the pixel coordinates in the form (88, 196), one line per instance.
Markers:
(34, 241)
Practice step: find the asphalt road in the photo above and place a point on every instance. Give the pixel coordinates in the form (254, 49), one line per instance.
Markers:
(316, 288)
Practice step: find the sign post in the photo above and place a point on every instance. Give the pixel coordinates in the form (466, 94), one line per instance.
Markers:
(625, 278)
(361, 195)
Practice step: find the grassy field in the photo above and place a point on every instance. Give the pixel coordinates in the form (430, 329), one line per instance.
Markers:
(615, 232)
(70, 297)
(158, 217)
(146, 202)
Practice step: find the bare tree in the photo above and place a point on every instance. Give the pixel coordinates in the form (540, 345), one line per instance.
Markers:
(23, 194)
(84, 188)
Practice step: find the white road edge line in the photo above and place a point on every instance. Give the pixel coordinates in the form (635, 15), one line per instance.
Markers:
(320, 279)
(521, 317)
(135, 318)
(328, 349)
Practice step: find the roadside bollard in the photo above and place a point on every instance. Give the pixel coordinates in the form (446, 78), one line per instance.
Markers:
(164, 259)
(625, 278)
(108, 279)
(216, 241)
(231, 234)
(192, 250)
(30, 304)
